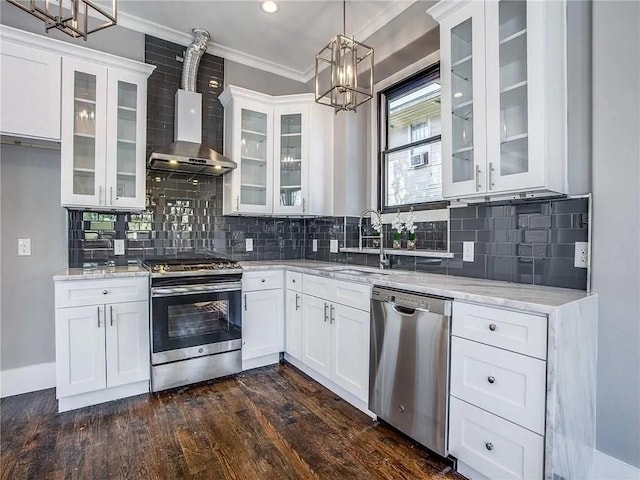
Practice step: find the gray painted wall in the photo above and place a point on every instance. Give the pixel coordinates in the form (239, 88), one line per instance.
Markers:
(30, 208)
(616, 225)
(115, 40)
(261, 81)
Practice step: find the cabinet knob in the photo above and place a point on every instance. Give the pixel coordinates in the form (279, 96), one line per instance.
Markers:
(263, 280)
(491, 379)
(104, 292)
(489, 446)
(493, 327)
(293, 280)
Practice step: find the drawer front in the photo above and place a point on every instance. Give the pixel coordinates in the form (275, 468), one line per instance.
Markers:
(316, 286)
(493, 446)
(508, 384)
(266, 280)
(98, 292)
(354, 295)
(515, 331)
(294, 281)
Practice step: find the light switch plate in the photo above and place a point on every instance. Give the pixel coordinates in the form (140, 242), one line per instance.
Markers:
(118, 246)
(333, 246)
(315, 245)
(24, 247)
(467, 251)
(581, 256)
(248, 244)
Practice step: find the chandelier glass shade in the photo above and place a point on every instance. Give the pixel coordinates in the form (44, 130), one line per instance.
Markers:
(347, 84)
(76, 18)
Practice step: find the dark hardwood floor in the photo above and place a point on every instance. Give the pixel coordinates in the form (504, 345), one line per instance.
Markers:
(268, 423)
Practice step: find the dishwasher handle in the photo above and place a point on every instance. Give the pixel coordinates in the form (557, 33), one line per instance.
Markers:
(406, 311)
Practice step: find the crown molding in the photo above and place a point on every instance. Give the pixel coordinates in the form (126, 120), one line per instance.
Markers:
(181, 38)
(304, 76)
(368, 29)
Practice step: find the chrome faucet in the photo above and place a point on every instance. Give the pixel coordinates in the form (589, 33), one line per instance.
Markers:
(384, 261)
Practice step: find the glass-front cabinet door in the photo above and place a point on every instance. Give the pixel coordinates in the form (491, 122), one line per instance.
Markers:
(463, 94)
(83, 133)
(126, 141)
(515, 147)
(290, 150)
(255, 131)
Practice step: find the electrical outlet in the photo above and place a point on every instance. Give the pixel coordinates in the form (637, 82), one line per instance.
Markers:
(333, 246)
(315, 245)
(581, 257)
(24, 247)
(118, 246)
(248, 244)
(467, 251)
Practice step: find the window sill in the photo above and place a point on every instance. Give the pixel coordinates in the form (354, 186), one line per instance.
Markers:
(399, 252)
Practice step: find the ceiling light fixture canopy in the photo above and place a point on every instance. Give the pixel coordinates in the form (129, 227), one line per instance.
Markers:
(72, 16)
(345, 87)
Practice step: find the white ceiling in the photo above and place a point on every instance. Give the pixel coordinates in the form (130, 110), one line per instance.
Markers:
(284, 43)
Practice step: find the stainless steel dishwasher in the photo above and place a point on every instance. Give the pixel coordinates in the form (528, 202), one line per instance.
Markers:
(408, 371)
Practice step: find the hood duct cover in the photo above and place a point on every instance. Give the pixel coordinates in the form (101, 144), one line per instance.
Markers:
(187, 154)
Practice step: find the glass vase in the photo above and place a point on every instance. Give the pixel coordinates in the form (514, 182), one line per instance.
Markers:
(411, 241)
(397, 240)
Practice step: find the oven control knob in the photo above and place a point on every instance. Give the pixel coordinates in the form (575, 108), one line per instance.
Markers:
(200, 350)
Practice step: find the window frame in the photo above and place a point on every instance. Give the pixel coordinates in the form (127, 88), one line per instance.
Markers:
(433, 71)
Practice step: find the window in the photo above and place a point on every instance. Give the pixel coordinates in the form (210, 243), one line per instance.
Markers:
(409, 139)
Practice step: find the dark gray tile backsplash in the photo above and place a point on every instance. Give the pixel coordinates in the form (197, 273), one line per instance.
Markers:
(530, 242)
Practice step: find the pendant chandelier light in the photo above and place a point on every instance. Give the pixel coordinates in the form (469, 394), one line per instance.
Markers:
(72, 16)
(344, 87)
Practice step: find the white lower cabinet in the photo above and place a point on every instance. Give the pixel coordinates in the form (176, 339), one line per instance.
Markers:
(102, 350)
(494, 447)
(335, 337)
(262, 323)
(498, 392)
(293, 324)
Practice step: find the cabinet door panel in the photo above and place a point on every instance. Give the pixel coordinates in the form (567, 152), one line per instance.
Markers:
(262, 323)
(316, 334)
(83, 148)
(350, 367)
(463, 101)
(127, 343)
(293, 323)
(80, 350)
(126, 140)
(30, 92)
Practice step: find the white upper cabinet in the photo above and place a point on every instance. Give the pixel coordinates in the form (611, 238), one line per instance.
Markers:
(283, 148)
(29, 90)
(103, 136)
(504, 99)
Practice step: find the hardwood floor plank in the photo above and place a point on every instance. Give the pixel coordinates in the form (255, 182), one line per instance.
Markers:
(269, 423)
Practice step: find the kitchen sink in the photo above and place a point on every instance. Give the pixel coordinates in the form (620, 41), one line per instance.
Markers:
(359, 271)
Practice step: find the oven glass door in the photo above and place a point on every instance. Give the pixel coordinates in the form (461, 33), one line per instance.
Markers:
(184, 321)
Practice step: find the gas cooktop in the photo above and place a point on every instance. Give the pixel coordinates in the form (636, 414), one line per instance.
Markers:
(185, 266)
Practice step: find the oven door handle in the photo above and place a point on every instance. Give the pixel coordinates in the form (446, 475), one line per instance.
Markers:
(195, 289)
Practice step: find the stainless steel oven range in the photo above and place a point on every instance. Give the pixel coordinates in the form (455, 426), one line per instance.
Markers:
(196, 321)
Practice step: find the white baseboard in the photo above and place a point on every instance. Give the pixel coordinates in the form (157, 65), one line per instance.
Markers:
(606, 467)
(27, 379)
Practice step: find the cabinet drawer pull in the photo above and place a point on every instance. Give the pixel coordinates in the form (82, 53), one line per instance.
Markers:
(491, 170)
(331, 310)
(98, 317)
(492, 327)
(477, 178)
(111, 314)
(110, 195)
(245, 302)
(489, 446)
(325, 313)
(100, 195)
(491, 379)
(297, 302)
(237, 203)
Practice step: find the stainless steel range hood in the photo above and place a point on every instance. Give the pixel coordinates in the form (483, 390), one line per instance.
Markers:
(187, 154)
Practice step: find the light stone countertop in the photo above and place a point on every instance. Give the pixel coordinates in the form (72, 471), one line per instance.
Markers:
(100, 273)
(528, 298)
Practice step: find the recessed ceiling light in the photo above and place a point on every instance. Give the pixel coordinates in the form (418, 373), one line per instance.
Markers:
(269, 6)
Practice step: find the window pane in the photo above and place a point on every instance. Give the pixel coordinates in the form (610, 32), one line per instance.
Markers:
(413, 115)
(413, 175)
